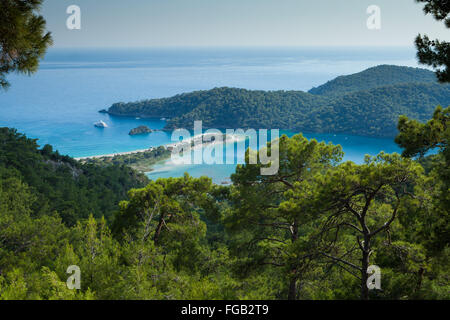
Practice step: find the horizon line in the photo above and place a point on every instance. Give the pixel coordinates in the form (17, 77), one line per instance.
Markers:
(240, 47)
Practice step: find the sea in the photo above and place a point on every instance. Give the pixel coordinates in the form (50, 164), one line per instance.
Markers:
(59, 104)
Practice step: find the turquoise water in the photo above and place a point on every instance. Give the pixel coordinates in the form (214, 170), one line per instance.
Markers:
(59, 104)
(355, 148)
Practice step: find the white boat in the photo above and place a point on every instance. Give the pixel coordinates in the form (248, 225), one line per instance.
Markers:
(101, 124)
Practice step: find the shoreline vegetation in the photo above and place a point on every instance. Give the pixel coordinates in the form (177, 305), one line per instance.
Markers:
(142, 160)
(316, 228)
(187, 238)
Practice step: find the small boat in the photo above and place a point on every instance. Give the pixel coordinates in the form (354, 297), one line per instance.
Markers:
(163, 119)
(100, 124)
(227, 181)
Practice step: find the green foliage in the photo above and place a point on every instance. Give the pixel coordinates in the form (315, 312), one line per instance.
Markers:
(380, 76)
(62, 184)
(309, 231)
(435, 53)
(418, 139)
(296, 234)
(272, 214)
(23, 39)
(361, 203)
(438, 8)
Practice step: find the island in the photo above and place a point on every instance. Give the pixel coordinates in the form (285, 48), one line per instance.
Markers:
(140, 130)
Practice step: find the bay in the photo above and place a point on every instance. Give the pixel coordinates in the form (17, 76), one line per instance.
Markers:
(59, 104)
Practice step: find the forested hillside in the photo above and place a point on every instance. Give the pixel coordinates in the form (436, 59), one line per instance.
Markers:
(375, 112)
(62, 184)
(309, 231)
(375, 77)
(367, 104)
(319, 228)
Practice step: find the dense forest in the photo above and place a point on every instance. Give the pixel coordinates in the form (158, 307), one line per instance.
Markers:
(368, 103)
(311, 231)
(61, 184)
(380, 76)
(308, 232)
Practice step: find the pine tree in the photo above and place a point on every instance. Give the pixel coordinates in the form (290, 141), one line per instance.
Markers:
(435, 53)
(23, 38)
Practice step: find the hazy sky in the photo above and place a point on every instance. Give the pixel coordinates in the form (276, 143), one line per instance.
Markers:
(145, 23)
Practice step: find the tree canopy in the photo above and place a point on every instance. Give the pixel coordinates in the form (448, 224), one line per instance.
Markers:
(435, 53)
(307, 232)
(23, 38)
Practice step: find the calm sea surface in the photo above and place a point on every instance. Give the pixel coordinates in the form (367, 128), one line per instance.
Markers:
(60, 103)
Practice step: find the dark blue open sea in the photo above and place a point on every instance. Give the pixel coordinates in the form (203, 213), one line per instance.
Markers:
(59, 104)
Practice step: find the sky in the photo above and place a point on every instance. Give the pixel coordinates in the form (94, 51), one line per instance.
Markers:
(238, 23)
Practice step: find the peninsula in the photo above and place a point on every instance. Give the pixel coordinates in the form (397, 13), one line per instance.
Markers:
(366, 104)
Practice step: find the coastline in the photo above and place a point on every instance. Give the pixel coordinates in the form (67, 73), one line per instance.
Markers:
(112, 155)
(234, 138)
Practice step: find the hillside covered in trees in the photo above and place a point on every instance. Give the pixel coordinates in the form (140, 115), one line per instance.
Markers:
(62, 184)
(368, 103)
(380, 76)
(310, 231)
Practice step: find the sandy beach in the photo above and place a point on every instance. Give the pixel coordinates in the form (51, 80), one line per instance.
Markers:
(229, 138)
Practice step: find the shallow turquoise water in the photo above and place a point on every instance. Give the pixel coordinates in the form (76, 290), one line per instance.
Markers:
(355, 148)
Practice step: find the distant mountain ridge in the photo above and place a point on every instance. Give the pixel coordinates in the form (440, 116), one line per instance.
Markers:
(380, 76)
(367, 103)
